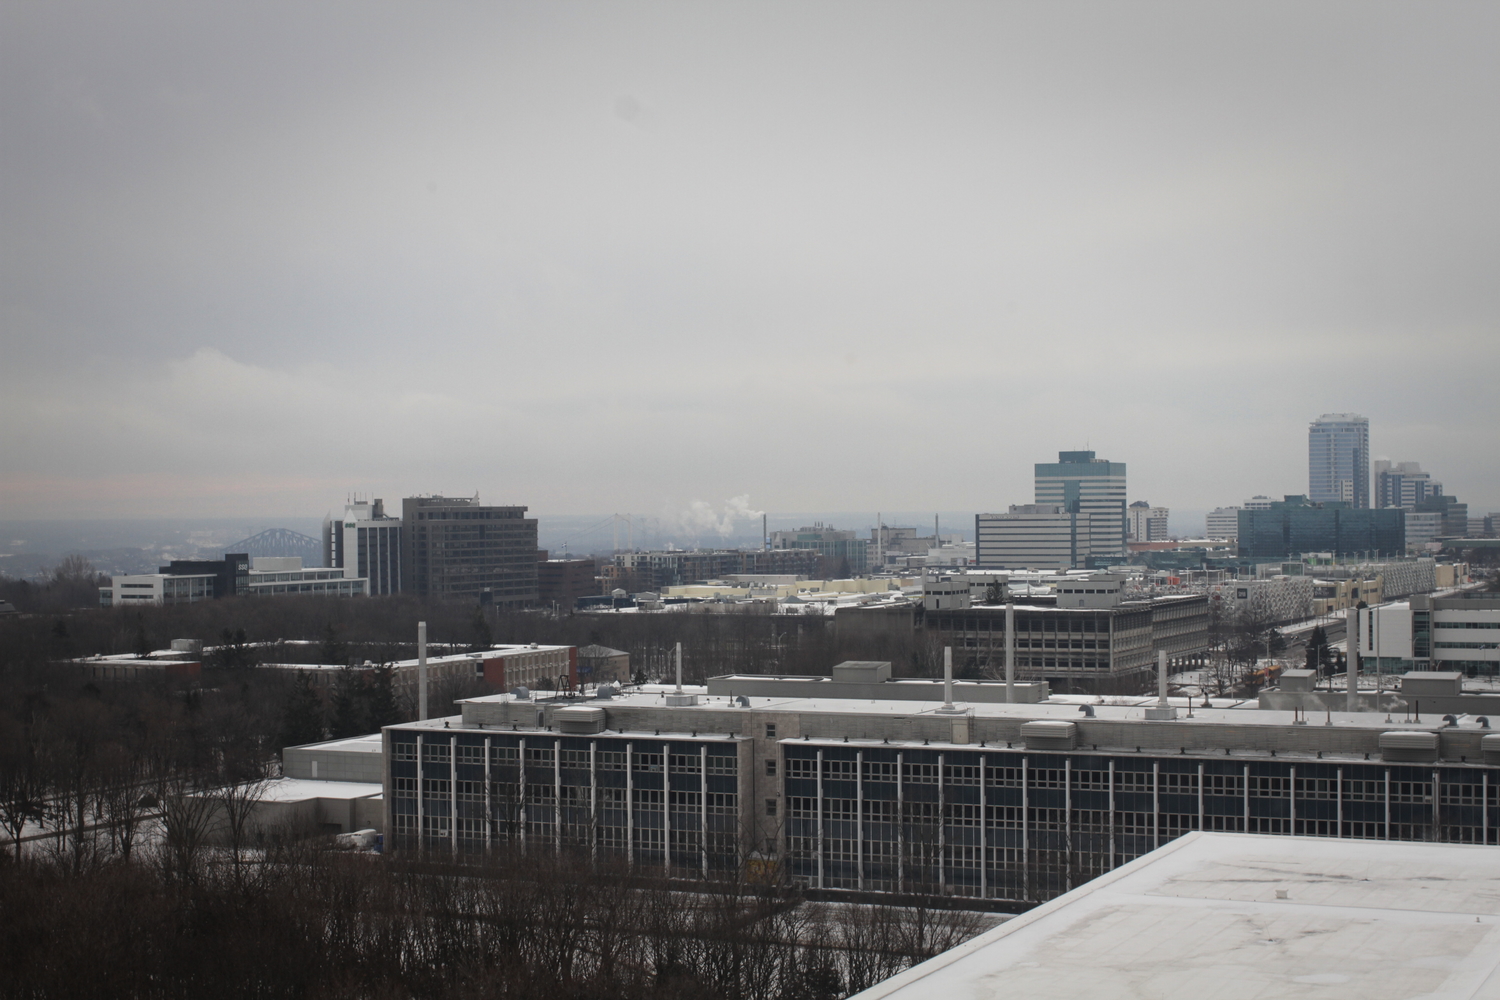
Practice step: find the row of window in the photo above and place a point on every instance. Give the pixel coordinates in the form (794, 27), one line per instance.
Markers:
(607, 760)
(1165, 782)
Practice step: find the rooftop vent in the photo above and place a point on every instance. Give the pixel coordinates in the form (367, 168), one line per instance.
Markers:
(521, 692)
(1412, 747)
(579, 720)
(1490, 745)
(1047, 734)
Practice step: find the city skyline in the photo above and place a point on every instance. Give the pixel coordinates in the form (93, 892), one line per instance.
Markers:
(653, 258)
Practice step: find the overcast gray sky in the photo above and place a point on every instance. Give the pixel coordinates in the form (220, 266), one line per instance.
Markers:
(628, 256)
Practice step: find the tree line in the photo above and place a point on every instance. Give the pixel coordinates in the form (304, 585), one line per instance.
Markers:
(311, 922)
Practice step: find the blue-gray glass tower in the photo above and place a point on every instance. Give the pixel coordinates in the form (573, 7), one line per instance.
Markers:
(1083, 484)
(1338, 459)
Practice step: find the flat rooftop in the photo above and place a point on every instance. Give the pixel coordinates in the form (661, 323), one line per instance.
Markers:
(1068, 711)
(1244, 917)
(302, 789)
(370, 743)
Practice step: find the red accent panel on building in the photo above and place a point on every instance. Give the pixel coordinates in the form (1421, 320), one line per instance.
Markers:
(494, 673)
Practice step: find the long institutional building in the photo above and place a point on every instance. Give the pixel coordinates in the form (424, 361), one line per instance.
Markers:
(860, 782)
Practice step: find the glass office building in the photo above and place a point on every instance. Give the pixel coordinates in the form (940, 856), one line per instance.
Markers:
(1296, 525)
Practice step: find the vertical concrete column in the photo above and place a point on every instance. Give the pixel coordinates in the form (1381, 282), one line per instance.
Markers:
(1437, 801)
(489, 804)
(421, 795)
(1387, 803)
(703, 804)
(1292, 795)
(666, 799)
(1351, 674)
(821, 845)
(1068, 816)
(1246, 792)
(942, 819)
(1010, 652)
(859, 816)
(630, 804)
(594, 801)
(1156, 802)
(521, 810)
(453, 791)
(984, 831)
(421, 671)
(1112, 852)
(1025, 828)
(557, 796)
(900, 821)
(1200, 796)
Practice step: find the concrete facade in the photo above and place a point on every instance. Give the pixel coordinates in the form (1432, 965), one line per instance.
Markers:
(457, 549)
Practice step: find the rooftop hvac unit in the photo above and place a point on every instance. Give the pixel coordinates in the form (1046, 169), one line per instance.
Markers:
(1409, 747)
(1047, 734)
(1491, 747)
(579, 720)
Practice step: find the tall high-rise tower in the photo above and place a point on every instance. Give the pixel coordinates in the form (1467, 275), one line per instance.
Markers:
(1083, 484)
(1338, 459)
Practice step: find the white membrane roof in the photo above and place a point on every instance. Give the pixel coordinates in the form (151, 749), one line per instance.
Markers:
(1216, 916)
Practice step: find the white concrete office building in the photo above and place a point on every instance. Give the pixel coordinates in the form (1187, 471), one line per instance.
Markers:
(1042, 536)
(1223, 522)
(367, 542)
(1146, 523)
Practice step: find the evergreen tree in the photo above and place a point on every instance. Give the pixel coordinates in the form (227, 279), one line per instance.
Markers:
(381, 709)
(1317, 649)
(349, 701)
(335, 650)
(142, 642)
(479, 628)
(303, 722)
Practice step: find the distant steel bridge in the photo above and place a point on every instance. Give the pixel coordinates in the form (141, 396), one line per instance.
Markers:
(281, 542)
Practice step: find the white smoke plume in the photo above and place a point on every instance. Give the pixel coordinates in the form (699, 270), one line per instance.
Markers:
(700, 519)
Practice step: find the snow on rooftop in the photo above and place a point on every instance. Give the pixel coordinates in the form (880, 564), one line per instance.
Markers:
(369, 743)
(1232, 916)
(301, 789)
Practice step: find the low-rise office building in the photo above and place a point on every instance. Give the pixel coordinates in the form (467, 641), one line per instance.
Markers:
(1296, 525)
(188, 581)
(1045, 536)
(1085, 638)
(1425, 632)
(500, 668)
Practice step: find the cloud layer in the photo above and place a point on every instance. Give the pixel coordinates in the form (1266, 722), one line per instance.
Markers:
(609, 257)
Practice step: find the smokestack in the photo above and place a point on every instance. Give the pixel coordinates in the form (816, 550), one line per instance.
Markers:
(1163, 710)
(677, 698)
(421, 671)
(947, 678)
